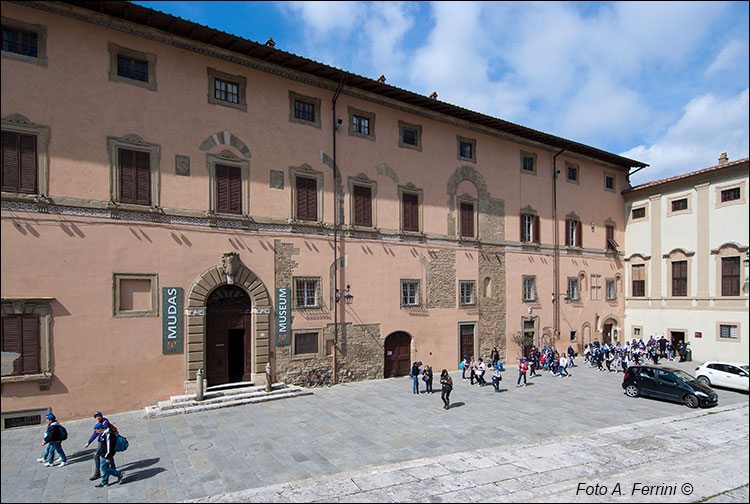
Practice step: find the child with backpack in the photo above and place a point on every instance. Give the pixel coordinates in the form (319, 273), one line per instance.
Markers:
(109, 445)
(54, 436)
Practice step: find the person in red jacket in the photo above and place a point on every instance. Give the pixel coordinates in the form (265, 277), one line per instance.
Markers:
(523, 366)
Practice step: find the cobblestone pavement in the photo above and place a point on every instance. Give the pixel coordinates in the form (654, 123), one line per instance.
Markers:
(366, 427)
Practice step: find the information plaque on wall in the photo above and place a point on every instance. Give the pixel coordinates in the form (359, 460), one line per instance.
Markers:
(171, 316)
(283, 317)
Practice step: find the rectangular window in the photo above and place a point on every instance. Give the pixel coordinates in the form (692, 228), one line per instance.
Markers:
(679, 278)
(226, 91)
(529, 228)
(611, 289)
(639, 213)
(573, 173)
(680, 204)
(467, 293)
(638, 272)
(307, 198)
(611, 244)
(410, 211)
(573, 293)
(528, 164)
(529, 288)
(465, 150)
(596, 287)
(22, 421)
(637, 331)
(730, 276)
(306, 292)
(362, 206)
(467, 219)
(361, 125)
(135, 176)
(19, 169)
(409, 293)
(409, 136)
(730, 194)
(609, 182)
(306, 343)
(20, 334)
(727, 331)
(304, 111)
(228, 189)
(573, 235)
(131, 68)
(573, 336)
(529, 333)
(20, 42)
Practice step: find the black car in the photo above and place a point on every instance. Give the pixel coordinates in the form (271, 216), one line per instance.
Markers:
(668, 383)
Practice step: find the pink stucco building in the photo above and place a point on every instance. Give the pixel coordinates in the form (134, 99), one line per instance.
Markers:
(169, 197)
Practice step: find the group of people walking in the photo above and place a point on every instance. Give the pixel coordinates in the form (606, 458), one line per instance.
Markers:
(446, 382)
(618, 356)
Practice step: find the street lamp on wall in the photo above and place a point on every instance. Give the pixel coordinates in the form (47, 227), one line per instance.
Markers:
(348, 298)
(566, 297)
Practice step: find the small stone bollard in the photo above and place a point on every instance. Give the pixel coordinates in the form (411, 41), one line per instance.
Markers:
(268, 377)
(199, 385)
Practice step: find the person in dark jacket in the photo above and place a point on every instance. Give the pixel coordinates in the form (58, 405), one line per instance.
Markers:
(414, 373)
(100, 419)
(54, 437)
(447, 386)
(107, 454)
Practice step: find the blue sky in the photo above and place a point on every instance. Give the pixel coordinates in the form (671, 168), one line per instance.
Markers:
(664, 83)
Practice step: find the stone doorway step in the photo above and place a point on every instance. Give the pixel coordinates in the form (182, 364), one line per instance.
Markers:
(223, 397)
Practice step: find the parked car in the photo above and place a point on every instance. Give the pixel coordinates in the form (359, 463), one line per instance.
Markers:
(724, 374)
(668, 383)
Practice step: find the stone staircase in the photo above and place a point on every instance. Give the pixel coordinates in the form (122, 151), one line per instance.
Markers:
(224, 397)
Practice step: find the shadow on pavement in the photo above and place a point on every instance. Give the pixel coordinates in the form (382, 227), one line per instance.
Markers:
(456, 405)
(139, 464)
(142, 475)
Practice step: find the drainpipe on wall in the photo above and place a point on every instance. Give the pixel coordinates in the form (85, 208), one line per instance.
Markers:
(336, 127)
(556, 259)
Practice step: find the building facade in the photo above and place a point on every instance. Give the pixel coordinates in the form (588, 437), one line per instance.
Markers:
(687, 261)
(175, 198)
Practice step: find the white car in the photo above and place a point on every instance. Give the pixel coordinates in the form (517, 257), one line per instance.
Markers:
(723, 374)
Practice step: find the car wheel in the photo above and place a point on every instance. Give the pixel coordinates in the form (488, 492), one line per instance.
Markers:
(704, 380)
(632, 391)
(691, 401)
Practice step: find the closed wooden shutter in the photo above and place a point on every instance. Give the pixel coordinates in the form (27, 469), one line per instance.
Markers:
(467, 219)
(19, 170)
(362, 206)
(228, 189)
(143, 178)
(537, 231)
(410, 209)
(135, 176)
(567, 233)
(307, 199)
(579, 234)
(679, 278)
(20, 334)
(730, 276)
(523, 228)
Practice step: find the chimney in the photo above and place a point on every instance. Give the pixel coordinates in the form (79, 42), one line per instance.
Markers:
(434, 96)
(270, 43)
(381, 79)
(723, 159)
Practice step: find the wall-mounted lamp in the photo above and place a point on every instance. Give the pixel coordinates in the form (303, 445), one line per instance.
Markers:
(747, 257)
(339, 122)
(592, 225)
(566, 298)
(348, 298)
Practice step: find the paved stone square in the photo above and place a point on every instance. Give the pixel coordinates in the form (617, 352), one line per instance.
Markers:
(359, 427)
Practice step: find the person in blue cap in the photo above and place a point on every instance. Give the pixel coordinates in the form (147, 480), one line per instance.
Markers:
(100, 419)
(414, 373)
(106, 454)
(54, 437)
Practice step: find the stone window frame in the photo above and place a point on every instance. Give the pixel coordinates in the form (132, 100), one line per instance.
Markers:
(41, 40)
(416, 127)
(577, 168)
(573, 336)
(418, 282)
(688, 196)
(318, 293)
(633, 330)
(305, 170)
(116, 50)
(419, 193)
(474, 202)
(16, 123)
(310, 100)
(153, 278)
(738, 325)
(679, 255)
(298, 356)
(40, 412)
(228, 158)
(42, 307)
(595, 287)
(613, 282)
(532, 155)
(363, 180)
(743, 194)
(535, 294)
(726, 251)
(473, 302)
(535, 320)
(239, 80)
(470, 141)
(370, 116)
(645, 217)
(608, 175)
(638, 260)
(576, 235)
(577, 297)
(133, 142)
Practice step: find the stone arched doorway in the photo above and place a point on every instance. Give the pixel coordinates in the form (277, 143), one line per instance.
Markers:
(256, 342)
(610, 329)
(397, 358)
(228, 336)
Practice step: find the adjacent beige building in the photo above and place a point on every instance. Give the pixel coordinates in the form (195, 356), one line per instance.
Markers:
(175, 198)
(686, 256)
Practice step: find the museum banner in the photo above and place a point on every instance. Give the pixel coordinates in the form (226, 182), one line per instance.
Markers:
(283, 316)
(171, 315)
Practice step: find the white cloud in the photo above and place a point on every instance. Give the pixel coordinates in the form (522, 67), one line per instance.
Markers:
(708, 127)
(734, 55)
(326, 17)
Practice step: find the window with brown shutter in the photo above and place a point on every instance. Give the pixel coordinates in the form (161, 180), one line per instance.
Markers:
(362, 206)
(19, 170)
(467, 220)
(730, 276)
(410, 211)
(573, 233)
(135, 176)
(307, 198)
(679, 278)
(638, 272)
(20, 334)
(537, 230)
(611, 243)
(530, 232)
(228, 189)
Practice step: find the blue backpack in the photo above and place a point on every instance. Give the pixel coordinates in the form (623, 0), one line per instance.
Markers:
(121, 443)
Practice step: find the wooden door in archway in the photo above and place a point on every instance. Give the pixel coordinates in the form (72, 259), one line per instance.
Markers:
(397, 354)
(228, 336)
